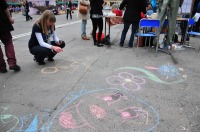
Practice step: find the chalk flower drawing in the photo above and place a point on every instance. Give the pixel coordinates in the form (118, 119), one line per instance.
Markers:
(126, 80)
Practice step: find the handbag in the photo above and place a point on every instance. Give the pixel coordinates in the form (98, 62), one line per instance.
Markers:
(83, 9)
(118, 12)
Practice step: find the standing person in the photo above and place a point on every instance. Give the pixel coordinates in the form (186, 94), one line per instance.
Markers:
(84, 18)
(6, 38)
(168, 8)
(39, 44)
(69, 9)
(96, 15)
(132, 17)
(26, 5)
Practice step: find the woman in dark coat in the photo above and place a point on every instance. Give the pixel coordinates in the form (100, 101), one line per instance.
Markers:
(69, 9)
(96, 15)
(26, 5)
(132, 17)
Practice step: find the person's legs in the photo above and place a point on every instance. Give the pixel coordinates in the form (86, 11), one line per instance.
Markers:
(100, 26)
(70, 12)
(67, 14)
(6, 39)
(172, 16)
(40, 53)
(133, 31)
(2, 61)
(27, 18)
(124, 32)
(94, 24)
(162, 13)
(52, 54)
(197, 26)
(83, 28)
(9, 48)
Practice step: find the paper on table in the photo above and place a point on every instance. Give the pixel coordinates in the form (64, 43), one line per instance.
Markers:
(196, 17)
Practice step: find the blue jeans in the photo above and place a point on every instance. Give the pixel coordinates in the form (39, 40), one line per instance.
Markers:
(83, 27)
(125, 30)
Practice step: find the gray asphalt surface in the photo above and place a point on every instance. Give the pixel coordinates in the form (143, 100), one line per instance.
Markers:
(99, 89)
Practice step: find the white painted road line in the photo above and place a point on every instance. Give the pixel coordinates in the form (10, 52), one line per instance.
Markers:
(58, 26)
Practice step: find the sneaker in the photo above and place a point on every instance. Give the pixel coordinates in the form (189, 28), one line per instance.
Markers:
(3, 70)
(15, 68)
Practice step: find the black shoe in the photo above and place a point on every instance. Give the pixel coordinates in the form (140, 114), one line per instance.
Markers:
(41, 62)
(3, 70)
(121, 45)
(50, 59)
(15, 68)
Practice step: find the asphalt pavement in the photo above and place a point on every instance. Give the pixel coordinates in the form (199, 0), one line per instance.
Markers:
(99, 89)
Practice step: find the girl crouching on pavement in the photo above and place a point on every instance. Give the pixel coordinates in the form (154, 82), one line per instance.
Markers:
(39, 44)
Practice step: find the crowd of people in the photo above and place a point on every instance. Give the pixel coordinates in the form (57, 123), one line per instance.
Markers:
(43, 29)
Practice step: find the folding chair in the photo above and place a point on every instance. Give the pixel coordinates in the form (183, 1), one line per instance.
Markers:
(148, 23)
(191, 24)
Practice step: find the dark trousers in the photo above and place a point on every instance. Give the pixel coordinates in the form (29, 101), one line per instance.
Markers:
(125, 30)
(69, 12)
(27, 16)
(41, 53)
(6, 39)
(197, 25)
(97, 23)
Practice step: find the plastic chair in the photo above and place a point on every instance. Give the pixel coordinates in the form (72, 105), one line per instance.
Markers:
(148, 23)
(191, 24)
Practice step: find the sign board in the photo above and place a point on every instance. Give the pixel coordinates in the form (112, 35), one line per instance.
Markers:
(186, 7)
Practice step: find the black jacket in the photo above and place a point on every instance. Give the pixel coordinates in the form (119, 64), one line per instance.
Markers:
(69, 4)
(133, 10)
(27, 6)
(96, 7)
(5, 24)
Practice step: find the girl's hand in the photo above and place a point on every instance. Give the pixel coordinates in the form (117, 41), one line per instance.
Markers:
(57, 49)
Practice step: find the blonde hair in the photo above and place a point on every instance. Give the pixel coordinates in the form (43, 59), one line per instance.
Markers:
(42, 21)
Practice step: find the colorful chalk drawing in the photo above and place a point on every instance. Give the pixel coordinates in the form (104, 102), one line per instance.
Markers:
(7, 121)
(88, 110)
(69, 66)
(26, 123)
(169, 74)
(126, 80)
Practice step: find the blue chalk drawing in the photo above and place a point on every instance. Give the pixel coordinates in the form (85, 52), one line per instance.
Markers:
(33, 127)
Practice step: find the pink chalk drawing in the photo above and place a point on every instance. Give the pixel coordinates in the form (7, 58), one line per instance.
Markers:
(68, 121)
(97, 111)
(112, 99)
(133, 113)
(126, 80)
